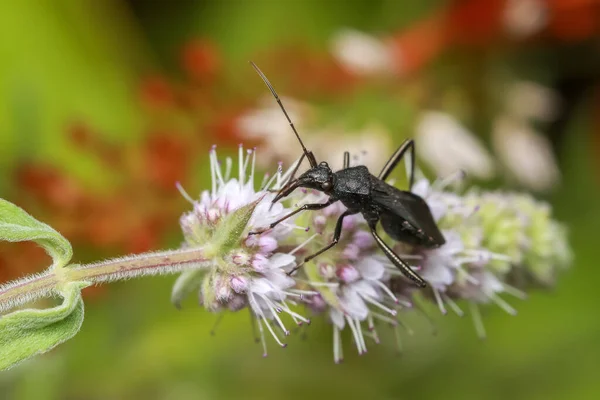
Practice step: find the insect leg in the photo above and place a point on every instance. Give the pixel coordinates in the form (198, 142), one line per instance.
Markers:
(346, 160)
(397, 261)
(409, 145)
(315, 206)
(336, 238)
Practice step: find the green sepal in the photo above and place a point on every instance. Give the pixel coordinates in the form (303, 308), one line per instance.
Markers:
(229, 232)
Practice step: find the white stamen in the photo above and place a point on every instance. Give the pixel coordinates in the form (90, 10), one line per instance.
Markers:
(241, 164)
(246, 161)
(443, 183)
(439, 301)
(292, 226)
(387, 290)
(369, 334)
(270, 328)
(477, 321)
(251, 180)
(355, 334)
(484, 254)
(470, 278)
(513, 291)
(405, 303)
(384, 318)
(295, 315)
(183, 193)
(263, 183)
(457, 310)
(279, 171)
(262, 337)
(217, 168)
(502, 304)
(337, 345)
(379, 305)
(370, 323)
(213, 174)
(273, 308)
(301, 245)
(228, 164)
(306, 292)
(360, 334)
(263, 319)
(270, 182)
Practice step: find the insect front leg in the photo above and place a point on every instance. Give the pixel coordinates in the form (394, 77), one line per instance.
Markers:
(396, 260)
(315, 206)
(408, 145)
(336, 238)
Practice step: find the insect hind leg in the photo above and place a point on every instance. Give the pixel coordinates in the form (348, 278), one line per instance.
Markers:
(408, 145)
(397, 261)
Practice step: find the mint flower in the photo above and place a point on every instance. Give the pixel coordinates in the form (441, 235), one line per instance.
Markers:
(249, 271)
(497, 244)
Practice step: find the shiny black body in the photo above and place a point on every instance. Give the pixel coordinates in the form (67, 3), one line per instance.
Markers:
(403, 215)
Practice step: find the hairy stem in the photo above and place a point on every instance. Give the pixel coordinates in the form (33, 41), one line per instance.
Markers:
(16, 293)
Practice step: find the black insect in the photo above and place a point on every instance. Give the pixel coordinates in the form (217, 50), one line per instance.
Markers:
(404, 216)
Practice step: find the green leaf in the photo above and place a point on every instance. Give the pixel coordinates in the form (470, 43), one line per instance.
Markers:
(231, 228)
(26, 333)
(18, 226)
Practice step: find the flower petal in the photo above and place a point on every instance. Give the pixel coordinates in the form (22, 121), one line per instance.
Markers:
(370, 268)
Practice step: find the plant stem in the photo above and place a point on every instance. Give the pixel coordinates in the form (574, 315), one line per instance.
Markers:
(16, 293)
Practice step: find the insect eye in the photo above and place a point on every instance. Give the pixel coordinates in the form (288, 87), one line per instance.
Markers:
(326, 185)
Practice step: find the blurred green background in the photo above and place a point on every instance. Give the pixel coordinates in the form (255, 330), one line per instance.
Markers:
(88, 145)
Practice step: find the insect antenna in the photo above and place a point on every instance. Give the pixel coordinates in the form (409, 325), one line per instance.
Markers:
(309, 154)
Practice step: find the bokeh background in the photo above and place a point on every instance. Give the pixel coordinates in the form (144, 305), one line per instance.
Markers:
(104, 105)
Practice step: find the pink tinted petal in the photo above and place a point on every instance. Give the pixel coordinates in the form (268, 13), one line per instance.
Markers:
(337, 317)
(260, 263)
(239, 284)
(351, 252)
(347, 273)
(454, 243)
(353, 304)
(370, 268)
(267, 243)
(279, 279)
(281, 260)
(205, 198)
(261, 285)
(349, 223)
(490, 284)
(364, 288)
(363, 239)
(437, 275)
